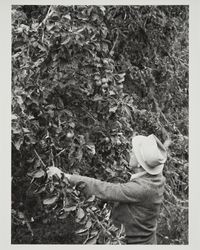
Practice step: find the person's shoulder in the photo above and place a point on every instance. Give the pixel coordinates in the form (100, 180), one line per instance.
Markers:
(153, 179)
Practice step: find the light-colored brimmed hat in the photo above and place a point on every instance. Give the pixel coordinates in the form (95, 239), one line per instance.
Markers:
(150, 153)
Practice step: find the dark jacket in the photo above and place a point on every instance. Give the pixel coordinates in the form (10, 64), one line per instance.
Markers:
(137, 204)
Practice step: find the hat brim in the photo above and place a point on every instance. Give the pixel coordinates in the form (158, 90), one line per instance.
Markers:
(137, 144)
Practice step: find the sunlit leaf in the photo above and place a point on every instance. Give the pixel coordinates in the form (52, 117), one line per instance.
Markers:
(67, 16)
(72, 124)
(63, 216)
(50, 201)
(91, 148)
(25, 130)
(18, 143)
(97, 98)
(69, 209)
(37, 174)
(80, 213)
(88, 224)
(81, 231)
(13, 117)
(113, 109)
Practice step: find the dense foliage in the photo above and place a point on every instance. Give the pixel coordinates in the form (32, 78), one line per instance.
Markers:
(84, 79)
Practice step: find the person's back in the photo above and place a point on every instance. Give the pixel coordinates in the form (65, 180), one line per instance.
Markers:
(140, 218)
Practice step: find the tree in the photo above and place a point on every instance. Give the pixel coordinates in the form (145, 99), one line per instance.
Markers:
(84, 79)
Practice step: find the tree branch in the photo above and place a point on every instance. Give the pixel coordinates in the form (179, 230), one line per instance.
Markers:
(40, 159)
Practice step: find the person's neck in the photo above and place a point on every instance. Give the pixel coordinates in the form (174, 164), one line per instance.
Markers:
(138, 173)
(138, 170)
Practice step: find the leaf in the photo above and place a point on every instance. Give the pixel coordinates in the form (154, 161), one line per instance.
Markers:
(92, 241)
(97, 77)
(79, 155)
(127, 109)
(18, 143)
(88, 224)
(81, 230)
(42, 48)
(13, 117)
(80, 213)
(143, 111)
(25, 130)
(37, 174)
(16, 130)
(91, 199)
(122, 75)
(51, 113)
(105, 47)
(49, 26)
(93, 208)
(111, 172)
(66, 41)
(113, 109)
(79, 30)
(111, 92)
(40, 190)
(60, 103)
(72, 124)
(63, 216)
(97, 98)
(50, 201)
(68, 112)
(69, 209)
(121, 80)
(91, 147)
(37, 164)
(103, 9)
(67, 16)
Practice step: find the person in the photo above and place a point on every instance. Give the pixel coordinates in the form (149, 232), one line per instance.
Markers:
(136, 202)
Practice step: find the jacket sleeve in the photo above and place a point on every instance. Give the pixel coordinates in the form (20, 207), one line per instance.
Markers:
(127, 192)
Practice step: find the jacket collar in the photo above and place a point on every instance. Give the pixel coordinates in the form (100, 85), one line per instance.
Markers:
(137, 175)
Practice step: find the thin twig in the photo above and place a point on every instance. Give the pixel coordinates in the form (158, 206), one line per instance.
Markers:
(166, 209)
(90, 115)
(115, 42)
(40, 159)
(29, 227)
(52, 158)
(49, 13)
(63, 150)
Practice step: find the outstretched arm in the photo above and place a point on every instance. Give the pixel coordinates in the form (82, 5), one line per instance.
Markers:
(127, 192)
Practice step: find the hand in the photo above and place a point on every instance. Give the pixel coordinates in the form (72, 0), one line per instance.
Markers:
(51, 171)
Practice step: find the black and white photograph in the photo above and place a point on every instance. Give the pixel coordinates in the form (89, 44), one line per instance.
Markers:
(99, 124)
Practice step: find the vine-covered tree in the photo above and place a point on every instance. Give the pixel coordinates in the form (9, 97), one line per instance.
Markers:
(84, 79)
